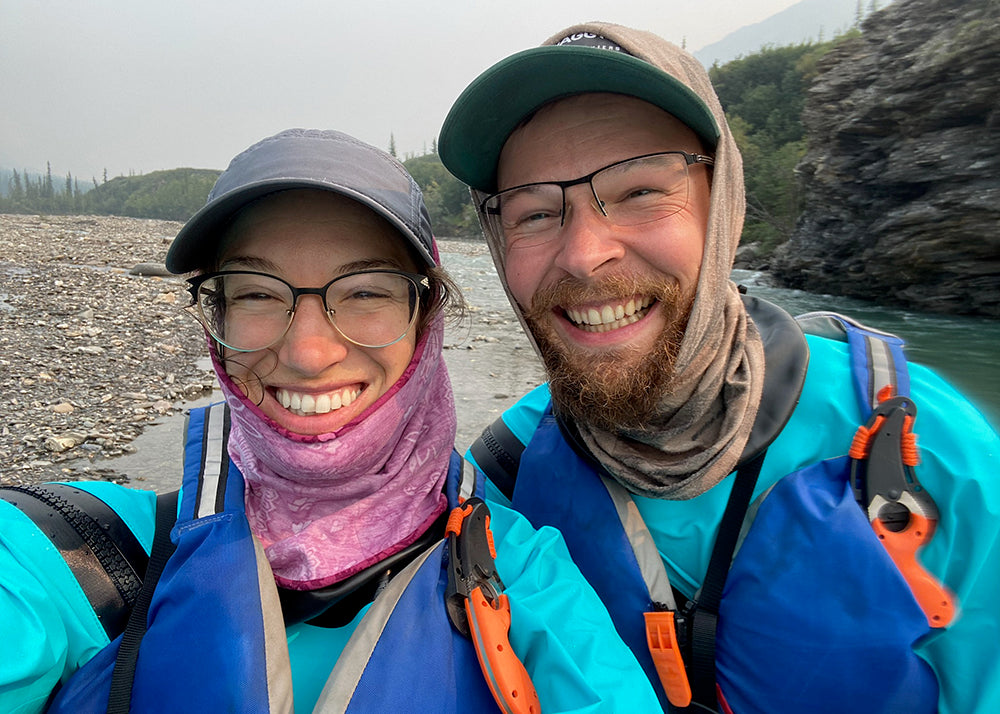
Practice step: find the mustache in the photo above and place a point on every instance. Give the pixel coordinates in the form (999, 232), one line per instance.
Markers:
(593, 387)
(570, 291)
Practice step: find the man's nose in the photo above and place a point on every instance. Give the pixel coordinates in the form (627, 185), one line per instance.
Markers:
(589, 241)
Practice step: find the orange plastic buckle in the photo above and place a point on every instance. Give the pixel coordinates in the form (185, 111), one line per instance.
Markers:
(661, 637)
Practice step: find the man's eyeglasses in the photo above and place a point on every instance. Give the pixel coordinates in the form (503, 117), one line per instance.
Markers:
(631, 192)
(246, 311)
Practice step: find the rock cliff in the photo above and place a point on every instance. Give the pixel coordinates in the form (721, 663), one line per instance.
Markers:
(902, 172)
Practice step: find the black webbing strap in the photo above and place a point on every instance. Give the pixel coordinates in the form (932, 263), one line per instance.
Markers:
(119, 699)
(704, 614)
(498, 454)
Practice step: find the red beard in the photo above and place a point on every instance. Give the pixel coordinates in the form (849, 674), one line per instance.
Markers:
(617, 388)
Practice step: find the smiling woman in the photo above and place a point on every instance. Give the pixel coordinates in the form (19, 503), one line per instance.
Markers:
(322, 549)
(306, 349)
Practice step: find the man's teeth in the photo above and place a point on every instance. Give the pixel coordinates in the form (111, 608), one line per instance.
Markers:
(610, 317)
(304, 404)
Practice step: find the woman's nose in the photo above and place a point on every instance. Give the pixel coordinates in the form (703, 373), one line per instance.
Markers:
(312, 343)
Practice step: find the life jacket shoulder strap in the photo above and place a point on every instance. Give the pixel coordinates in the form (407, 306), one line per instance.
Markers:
(123, 675)
(208, 488)
(206, 471)
(877, 358)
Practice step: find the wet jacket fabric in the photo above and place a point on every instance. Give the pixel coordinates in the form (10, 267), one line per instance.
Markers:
(215, 624)
(814, 616)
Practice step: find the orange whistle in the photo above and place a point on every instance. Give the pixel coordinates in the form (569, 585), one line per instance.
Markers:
(661, 637)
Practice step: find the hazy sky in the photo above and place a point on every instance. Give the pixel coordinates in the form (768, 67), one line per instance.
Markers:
(134, 85)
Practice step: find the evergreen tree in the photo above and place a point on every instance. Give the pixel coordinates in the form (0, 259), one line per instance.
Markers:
(16, 189)
(763, 95)
(49, 189)
(30, 189)
(446, 197)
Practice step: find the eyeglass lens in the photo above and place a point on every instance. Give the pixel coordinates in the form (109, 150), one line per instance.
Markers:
(630, 193)
(250, 311)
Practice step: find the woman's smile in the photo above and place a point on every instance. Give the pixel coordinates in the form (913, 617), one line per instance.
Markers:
(313, 380)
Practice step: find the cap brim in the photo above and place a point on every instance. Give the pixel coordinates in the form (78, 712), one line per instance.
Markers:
(199, 237)
(490, 108)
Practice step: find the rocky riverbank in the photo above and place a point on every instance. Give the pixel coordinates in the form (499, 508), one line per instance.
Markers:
(94, 351)
(90, 353)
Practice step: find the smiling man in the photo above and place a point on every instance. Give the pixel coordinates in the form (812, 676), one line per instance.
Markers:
(696, 448)
(607, 314)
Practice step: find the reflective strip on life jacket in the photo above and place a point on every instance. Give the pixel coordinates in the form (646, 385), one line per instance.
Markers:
(215, 640)
(343, 680)
(877, 358)
(648, 558)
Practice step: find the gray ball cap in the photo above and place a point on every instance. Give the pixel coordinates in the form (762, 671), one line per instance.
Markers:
(306, 158)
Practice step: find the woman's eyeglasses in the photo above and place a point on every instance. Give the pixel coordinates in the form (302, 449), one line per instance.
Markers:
(246, 310)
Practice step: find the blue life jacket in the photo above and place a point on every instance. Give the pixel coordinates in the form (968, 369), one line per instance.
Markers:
(216, 640)
(814, 615)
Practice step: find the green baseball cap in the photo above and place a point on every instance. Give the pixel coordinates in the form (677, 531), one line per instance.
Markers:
(496, 102)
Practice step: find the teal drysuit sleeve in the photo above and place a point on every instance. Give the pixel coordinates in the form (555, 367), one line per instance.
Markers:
(47, 625)
(559, 627)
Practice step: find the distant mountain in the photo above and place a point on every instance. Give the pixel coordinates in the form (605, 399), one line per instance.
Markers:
(809, 20)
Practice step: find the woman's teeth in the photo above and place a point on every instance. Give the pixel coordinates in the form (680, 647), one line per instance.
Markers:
(305, 404)
(609, 317)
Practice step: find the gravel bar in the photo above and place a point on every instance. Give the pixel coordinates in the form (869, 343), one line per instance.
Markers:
(95, 346)
(94, 341)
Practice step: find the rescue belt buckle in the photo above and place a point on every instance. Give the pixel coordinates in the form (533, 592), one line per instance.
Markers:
(902, 513)
(480, 611)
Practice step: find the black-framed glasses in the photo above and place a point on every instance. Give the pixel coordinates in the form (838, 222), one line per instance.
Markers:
(630, 192)
(246, 310)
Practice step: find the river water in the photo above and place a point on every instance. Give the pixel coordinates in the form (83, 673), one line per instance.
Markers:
(492, 363)
(962, 349)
